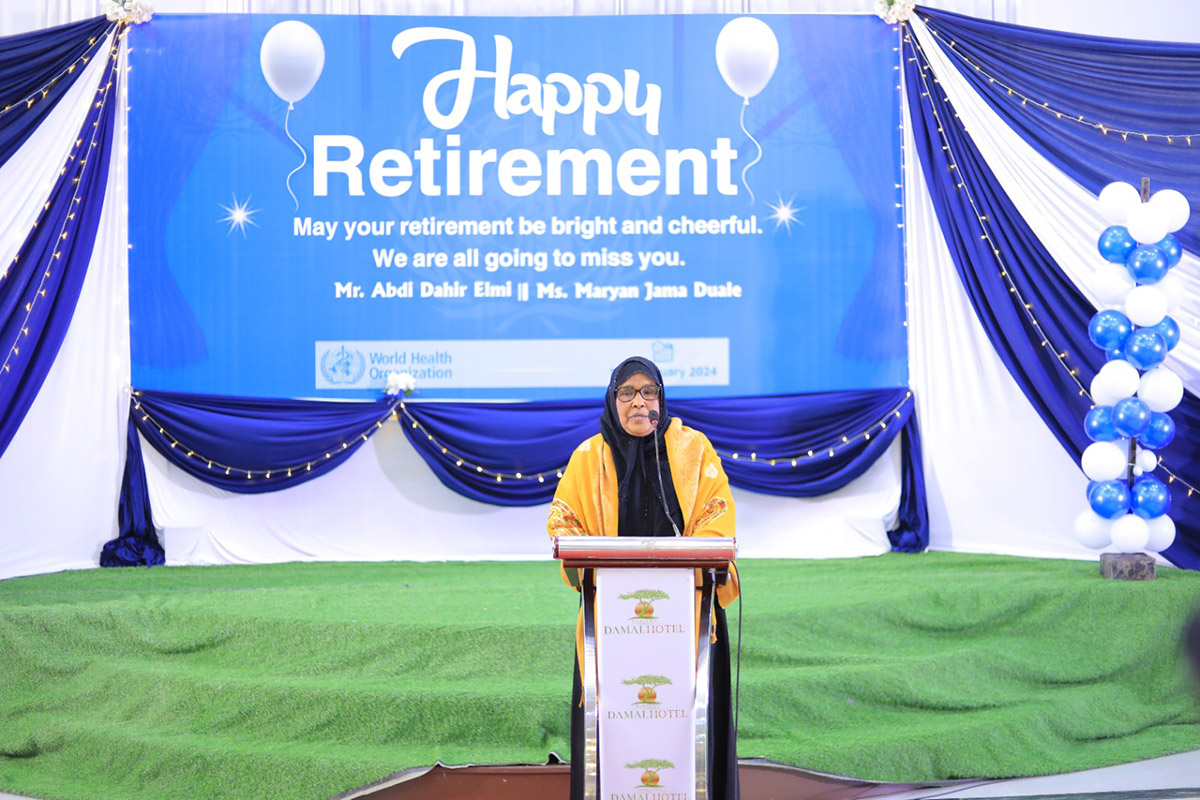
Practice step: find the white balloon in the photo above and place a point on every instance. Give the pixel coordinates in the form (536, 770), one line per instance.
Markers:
(1160, 389)
(1112, 283)
(1117, 200)
(1162, 533)
(1173, 288)
(1146, 306)
(1130, 534)
(1147, 224)
(1104, 461)
(1147, 460)
(1174, 206)
(1115, 381)
(292, 58)
(747, 54)
(1093, 530)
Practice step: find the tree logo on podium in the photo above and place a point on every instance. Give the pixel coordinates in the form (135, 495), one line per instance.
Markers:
(647, 693)
(650, 768)
(645, 605)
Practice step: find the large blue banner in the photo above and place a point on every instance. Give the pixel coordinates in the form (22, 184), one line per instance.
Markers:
(506, 208)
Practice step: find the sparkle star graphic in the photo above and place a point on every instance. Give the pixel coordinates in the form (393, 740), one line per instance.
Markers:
(784, 213)
(239, 215)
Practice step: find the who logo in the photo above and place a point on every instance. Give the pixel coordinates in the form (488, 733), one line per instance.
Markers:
(343, 366)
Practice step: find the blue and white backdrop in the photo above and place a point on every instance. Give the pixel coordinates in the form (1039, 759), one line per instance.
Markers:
(292, 213)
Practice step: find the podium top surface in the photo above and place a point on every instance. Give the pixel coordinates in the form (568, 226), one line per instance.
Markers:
(644, 551)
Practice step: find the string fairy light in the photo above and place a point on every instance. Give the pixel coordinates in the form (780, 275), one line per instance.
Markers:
(81, 166)
(252, 473)
(26, 102)
(1014, 94)
(459, 462)
(986, 234)
(1060, 356)
(829, 450)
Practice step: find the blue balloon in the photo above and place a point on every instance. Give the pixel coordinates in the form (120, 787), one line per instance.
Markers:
(1169, 329)
(1131, 416)
(1171, 248)
(1099, 425)
(1116, 354)
(1145, 348)
(1150, 497)
(1109, 499)
(1116, 244)
(1160, 433)
(1109, 329)
(1147, 264)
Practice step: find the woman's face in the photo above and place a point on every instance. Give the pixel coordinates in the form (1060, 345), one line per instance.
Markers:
(634, 413)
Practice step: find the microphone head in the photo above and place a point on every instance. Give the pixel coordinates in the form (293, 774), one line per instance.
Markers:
(654, 417)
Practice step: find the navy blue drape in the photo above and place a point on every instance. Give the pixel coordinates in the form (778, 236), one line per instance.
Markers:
(1147, 87)
(136, 543)
(46, 61)
(39, 290)
(536, 439)
(252, 445)
(957, 175)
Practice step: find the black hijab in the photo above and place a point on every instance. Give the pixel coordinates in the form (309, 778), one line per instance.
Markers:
(639, 497)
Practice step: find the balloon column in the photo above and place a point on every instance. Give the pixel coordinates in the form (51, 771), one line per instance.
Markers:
(1133, 392)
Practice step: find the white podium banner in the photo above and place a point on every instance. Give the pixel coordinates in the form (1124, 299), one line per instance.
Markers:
(646, 654)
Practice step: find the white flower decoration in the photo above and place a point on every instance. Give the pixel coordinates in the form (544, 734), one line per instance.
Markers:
(398, 382)
(132, 11)
(893, 11)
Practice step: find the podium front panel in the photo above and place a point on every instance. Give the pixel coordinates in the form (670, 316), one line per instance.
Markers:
(646, 654)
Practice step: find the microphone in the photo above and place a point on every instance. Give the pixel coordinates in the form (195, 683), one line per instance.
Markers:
(662, 492)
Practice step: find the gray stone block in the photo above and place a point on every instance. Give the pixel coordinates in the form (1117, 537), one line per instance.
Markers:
(1127, 566)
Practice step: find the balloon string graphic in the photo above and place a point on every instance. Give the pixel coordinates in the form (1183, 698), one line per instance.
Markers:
(288, 182)
(757, 158)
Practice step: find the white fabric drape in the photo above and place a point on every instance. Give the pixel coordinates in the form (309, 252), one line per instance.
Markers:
(384, 503)
(997, 479)
(1065, 217)
(60, 476)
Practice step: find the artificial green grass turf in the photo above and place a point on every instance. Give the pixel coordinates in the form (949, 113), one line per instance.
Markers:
(305, 680)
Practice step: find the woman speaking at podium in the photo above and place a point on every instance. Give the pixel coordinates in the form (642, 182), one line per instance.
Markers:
(616, 485)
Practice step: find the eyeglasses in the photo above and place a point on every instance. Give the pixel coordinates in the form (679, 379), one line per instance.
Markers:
(649, 392)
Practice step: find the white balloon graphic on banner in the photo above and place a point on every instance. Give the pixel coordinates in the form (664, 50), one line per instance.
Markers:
(292, 57)
(747, 54)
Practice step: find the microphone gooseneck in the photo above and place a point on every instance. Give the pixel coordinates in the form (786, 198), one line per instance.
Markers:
(662, 492)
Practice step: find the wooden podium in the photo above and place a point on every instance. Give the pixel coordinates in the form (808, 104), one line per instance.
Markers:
(666, 575)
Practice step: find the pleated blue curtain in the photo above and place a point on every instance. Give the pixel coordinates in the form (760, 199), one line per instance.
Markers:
(252, 445)
(510, 454)
(39, 290)
(136, 543)
(1004, 267)
(1122, 89)
(37, 69)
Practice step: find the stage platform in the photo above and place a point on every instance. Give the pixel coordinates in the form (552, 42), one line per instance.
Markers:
(305, 680)
(1175, 777)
